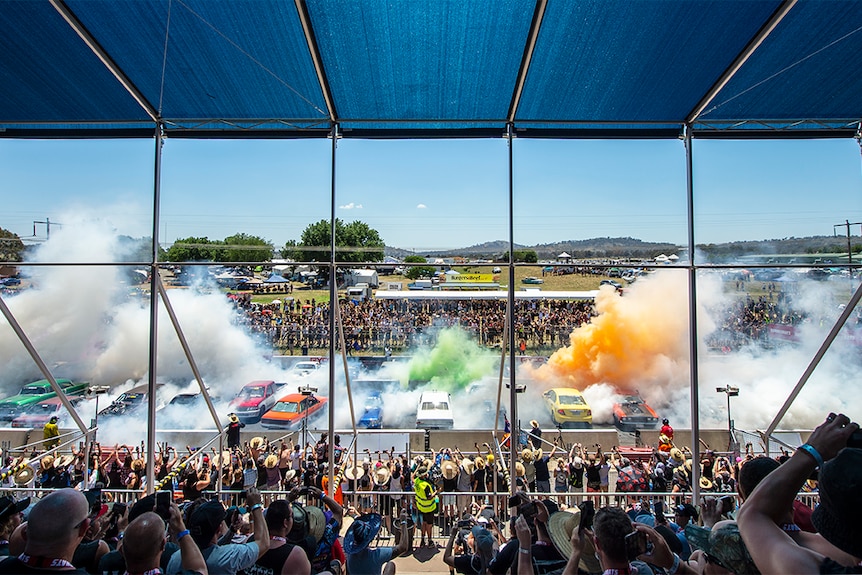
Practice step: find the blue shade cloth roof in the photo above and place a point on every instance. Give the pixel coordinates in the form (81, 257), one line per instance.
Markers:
(414, 68)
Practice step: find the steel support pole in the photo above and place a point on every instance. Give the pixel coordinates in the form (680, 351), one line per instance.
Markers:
(510, 311)
(692, 323)
(833, 333)
(333, 301)
(154, 312)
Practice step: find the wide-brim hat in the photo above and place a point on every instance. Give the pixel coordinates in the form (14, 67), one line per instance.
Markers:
(468, 466)
(24, 475)
(561, 525)
(63, 461)
(421, 472)
(725, 543)
(449, 469)
(256, 442)
(9, 507)
(382, 475)
(538, 453)
(270, 461)
(222, 459)
(836, 517)
(46, 462)
(663, 438)
(705, 483)
(291, 473)
(362, 532)
(688, 464)
(527, 454)
(534, 423)
(316, 522)
(520, 470)
(353, 473)
(480, 462)
(677, 455)
(233, 418)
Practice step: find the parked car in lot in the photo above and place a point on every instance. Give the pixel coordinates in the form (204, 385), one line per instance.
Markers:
(372, 417)
(532, 280)
(36, 415)
(568, 408)
(292, 409)
(13, 406)
(634, 413)
(255, 399)
(434, 411)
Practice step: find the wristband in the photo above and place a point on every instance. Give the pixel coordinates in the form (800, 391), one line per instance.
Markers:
(523, 550)
(809, 449)
(182, 534)
(675, 566)
(256, 506)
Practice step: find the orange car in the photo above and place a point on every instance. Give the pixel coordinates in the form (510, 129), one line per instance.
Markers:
(289, 411)
(634, 413)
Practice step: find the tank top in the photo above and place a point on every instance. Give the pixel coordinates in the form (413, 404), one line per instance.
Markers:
(272, 561)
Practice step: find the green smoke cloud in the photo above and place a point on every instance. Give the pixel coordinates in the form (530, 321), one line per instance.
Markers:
(453, 363)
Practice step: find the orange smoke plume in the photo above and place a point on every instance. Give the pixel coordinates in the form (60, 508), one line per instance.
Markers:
(637, 341)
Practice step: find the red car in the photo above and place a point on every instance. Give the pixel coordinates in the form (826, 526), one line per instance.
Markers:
(38, 414)
(634, 413)
(255, 399)
(290, 410)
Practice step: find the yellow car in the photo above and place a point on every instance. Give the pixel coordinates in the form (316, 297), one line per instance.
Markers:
(568, 407)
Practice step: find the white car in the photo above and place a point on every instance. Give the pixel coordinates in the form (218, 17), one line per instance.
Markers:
(434, 411)
(303, 368)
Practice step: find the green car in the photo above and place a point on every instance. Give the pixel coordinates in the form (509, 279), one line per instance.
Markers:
(13, 406)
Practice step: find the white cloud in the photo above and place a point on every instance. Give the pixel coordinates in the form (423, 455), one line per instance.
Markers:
(421, 206)
(350, 206)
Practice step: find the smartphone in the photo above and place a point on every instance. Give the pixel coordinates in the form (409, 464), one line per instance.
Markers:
(726, 504)
(855, 439)
(658, 506)
(163, 504)
(588, 512)
(636, 544)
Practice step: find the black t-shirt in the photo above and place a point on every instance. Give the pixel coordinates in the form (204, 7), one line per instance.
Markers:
(467, 564)
(272, 561)
(541, 465)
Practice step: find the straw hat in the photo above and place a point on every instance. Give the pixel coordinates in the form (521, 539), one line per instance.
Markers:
(217, 460)
(47, 462)
(480, 463)
(520, 470)
(24, 475)
(688, 464)
(381, 475)
(63, 461)
(705, 483)
(527, 454)
(560, 527)
(256, 442)
(677, 456)
(449, 469)
(534, 423)
(291, 473)
(468, 466)
(270, 461)
(538, 453)
(353, 473)
(233, 418)
(316, 522)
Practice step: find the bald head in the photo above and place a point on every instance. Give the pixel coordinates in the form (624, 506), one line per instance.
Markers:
(143, 542)
(56, 523)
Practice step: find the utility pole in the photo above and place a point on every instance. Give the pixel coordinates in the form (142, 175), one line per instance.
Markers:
(847, 225)
(47, 223)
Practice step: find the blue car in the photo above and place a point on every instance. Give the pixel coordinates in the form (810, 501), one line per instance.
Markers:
(373, 416)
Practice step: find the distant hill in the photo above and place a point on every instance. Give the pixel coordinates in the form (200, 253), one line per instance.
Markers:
(635, 248)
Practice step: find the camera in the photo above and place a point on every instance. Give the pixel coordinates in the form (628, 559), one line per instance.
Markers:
(636, 544)
(588, 512)
(465, 523)
(528, 510)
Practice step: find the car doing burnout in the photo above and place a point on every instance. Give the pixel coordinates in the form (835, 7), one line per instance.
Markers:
(12, 407)
(632, 412)
(37, 415)
(434, 411)
(255, 399)
(372, 418)
(568, 407)
(291, 410)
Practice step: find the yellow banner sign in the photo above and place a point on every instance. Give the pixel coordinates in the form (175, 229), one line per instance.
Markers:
(472, 278)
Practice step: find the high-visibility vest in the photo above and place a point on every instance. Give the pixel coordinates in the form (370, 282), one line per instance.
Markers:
(423, 504)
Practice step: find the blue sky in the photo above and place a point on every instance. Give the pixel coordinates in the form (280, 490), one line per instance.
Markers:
(440, 193)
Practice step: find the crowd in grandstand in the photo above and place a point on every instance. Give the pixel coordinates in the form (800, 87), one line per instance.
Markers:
(571, 509)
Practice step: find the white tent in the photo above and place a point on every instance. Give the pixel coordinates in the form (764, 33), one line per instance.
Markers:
(564, 256)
